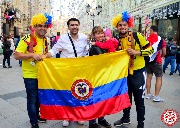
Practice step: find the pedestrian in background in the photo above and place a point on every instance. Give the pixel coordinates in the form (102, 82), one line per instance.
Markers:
(30, 50)
(6, 51)
(178, 61)
(1, 41)
(16, 44)
(11, 39)
(170, 58)
(54, 41)
(155, 66)
(136, 78)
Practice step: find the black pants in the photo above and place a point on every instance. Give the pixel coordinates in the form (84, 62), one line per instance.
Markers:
(6, 57)
(94, 121)
(136, 86)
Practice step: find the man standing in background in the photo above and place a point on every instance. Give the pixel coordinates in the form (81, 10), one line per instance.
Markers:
(155, 66)
(54, 41)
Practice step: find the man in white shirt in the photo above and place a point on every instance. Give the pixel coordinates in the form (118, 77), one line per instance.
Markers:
(72, 44)
(65, 45)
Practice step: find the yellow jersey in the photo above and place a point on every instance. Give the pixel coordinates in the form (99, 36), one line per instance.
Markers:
(143, 46)
(28, 70)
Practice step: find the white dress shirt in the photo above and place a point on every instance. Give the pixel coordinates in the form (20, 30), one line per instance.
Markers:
(64, 44)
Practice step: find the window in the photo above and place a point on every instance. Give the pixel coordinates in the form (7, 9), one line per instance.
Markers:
(168, 28)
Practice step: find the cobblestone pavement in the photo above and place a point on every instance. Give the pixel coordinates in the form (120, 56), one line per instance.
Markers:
(13, 113)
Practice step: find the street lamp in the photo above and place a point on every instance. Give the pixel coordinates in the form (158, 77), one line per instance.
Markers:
(92, 12)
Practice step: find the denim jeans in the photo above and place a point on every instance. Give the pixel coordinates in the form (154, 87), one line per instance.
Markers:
(178, 67)
(94, 121)
(171, 60)
(32, 99)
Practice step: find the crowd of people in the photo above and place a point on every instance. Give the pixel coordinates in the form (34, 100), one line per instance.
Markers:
(34, 47)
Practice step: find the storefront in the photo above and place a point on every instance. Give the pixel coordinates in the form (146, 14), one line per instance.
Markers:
(167, 19)
(168, 28)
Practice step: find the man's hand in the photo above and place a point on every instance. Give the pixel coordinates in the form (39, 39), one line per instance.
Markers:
(133, 52)
(37, 57)
(44, 56)
(47, 55)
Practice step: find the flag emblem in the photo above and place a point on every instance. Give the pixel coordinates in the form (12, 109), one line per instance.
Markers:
(81, 89)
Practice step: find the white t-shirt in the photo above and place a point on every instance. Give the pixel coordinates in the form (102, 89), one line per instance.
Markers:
(12, 44)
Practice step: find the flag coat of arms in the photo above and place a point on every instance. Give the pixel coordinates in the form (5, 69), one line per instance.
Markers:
(79, 89)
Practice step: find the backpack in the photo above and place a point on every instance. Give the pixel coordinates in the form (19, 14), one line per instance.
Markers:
(171, 49)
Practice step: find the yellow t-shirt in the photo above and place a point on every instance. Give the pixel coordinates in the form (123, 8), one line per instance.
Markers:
(30, 71)
(145, 49)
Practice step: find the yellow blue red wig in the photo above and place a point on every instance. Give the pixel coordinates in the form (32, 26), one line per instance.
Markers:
(41, 18)
(125, 16)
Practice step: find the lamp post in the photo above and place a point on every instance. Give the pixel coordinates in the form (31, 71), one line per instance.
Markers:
(93, 11)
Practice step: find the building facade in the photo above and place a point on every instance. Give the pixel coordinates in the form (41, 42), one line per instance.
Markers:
(16, 15)
(163, 13)
(85, 19)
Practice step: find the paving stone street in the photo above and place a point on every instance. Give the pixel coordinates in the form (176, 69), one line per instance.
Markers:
(13, 112)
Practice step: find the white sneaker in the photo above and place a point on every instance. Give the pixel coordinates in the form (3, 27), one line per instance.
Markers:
(149, 96)
(65, 123)
(81, 122)
(158, 99)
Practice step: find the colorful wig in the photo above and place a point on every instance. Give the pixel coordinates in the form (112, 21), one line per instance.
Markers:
(125, 16)
(41, 19)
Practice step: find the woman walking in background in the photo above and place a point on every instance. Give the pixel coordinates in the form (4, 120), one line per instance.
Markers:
(6, 51)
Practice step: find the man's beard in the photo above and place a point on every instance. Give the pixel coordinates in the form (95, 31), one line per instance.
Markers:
(72, 33)
(123, 34)
(41, 33)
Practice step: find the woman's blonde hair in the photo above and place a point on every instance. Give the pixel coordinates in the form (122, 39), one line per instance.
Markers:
(96, 29)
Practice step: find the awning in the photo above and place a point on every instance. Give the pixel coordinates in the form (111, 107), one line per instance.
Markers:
(169, 11)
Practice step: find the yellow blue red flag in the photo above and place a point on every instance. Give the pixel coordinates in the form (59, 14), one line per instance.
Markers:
(83, 88)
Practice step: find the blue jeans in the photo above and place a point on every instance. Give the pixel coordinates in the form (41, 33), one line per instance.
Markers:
(171, 60)
(178, 67)
(57, 55)
(20, 63)
(32, 99)
(94, 121)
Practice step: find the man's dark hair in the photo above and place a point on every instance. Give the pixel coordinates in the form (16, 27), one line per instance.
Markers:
(170, 38)
(72, 19)
(154, 28)
(58, 33)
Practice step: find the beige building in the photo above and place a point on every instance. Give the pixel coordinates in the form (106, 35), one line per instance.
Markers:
(16, 14)
(60, 25)
(64, 11)
(85, 19)
(163, 13)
